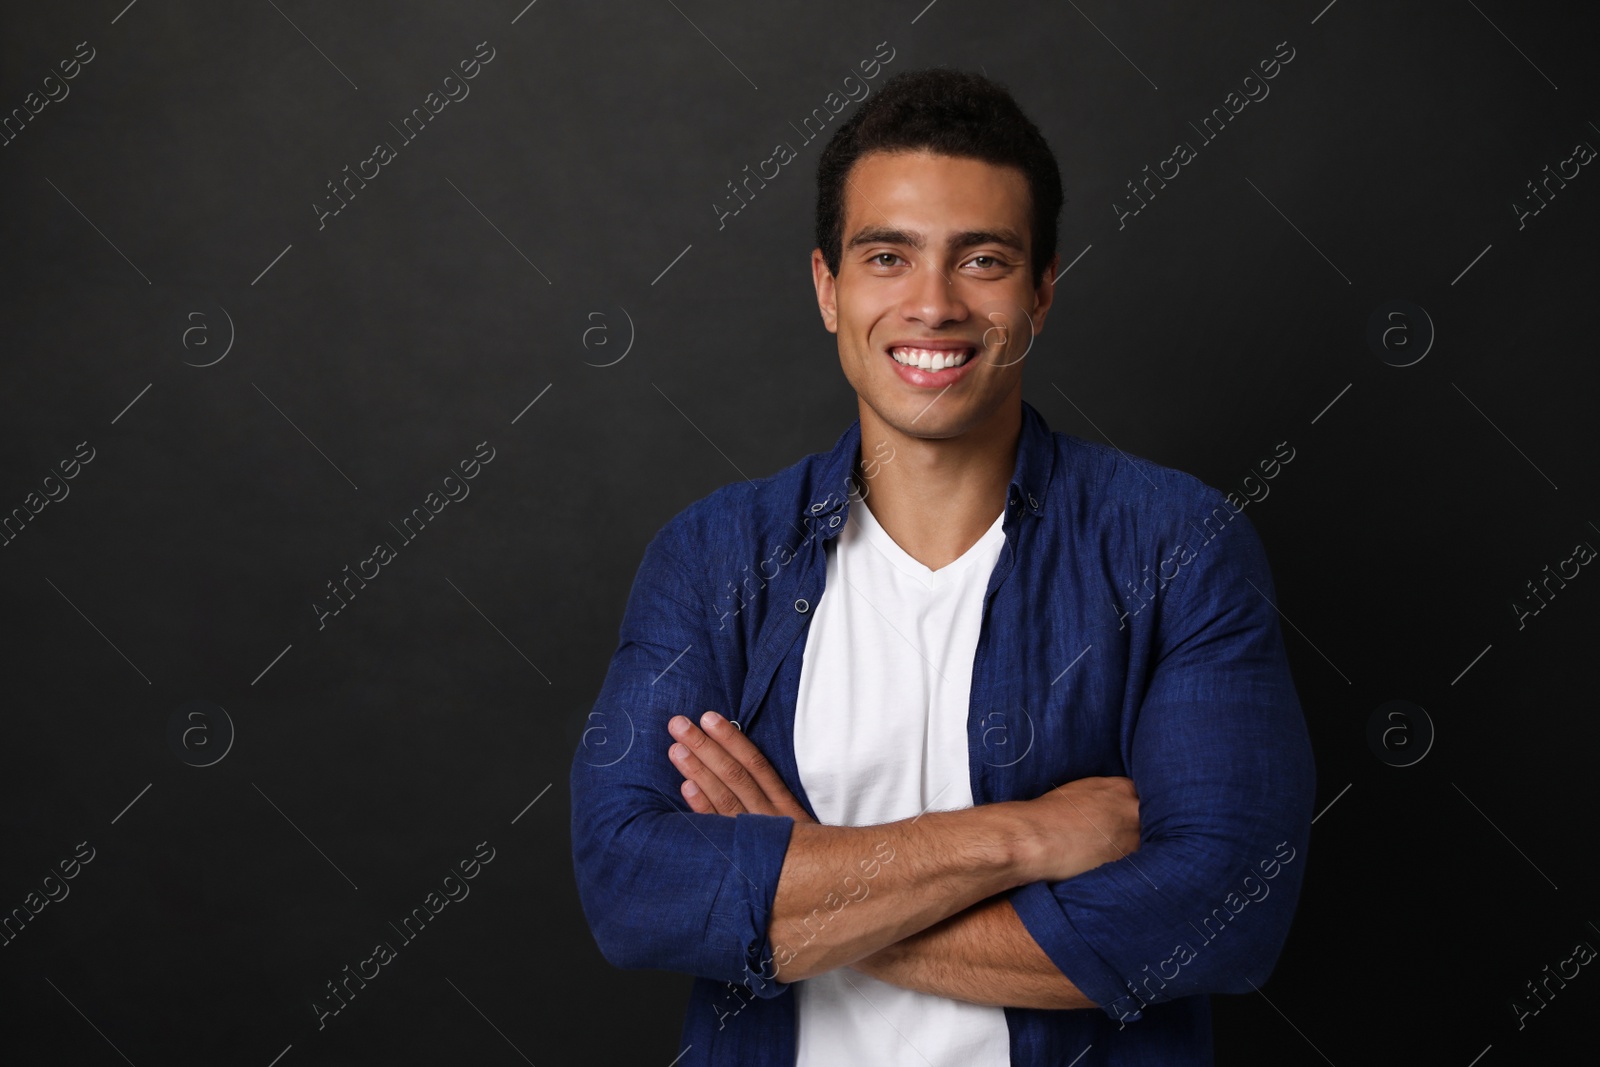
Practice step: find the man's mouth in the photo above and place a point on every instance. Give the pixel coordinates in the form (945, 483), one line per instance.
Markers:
(932, 359)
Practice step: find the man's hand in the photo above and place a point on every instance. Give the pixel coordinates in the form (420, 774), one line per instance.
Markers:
(1082, 824)
(1077, 826)
(984, 955)
(725, 773)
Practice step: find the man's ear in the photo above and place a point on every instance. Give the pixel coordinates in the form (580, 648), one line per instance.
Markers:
(1044, 296)
(827, 298)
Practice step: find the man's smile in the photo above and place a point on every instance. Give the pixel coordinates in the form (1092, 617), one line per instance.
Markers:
(932, 363)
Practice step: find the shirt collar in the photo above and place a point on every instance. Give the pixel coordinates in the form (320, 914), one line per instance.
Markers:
(1030, 477)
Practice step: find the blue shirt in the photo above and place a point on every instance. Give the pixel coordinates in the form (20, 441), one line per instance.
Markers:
(1128, 629)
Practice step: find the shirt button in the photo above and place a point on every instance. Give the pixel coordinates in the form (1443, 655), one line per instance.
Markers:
(801, 606)
(1032, 502)
(834, 521)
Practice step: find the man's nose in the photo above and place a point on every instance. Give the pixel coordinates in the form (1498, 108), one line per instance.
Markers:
(934, 299)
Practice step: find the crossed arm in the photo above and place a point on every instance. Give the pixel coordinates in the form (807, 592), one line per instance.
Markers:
(931, 915)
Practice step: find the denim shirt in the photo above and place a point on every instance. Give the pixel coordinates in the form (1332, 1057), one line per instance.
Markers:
(1129, 628)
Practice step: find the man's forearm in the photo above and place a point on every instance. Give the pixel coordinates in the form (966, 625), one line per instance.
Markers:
(829, 911)
(983, 955)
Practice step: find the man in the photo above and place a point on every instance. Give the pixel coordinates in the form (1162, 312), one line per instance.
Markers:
(964, 742)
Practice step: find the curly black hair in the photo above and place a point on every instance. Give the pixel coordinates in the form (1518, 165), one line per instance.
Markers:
(950, 112)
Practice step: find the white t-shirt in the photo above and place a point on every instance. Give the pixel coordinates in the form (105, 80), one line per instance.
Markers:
(881, 735)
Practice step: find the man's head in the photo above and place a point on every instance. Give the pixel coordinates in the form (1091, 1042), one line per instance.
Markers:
(937, 205)
(947, 112)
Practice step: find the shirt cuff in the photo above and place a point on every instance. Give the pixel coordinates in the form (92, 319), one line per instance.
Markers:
(744, 908)
(1049, 925)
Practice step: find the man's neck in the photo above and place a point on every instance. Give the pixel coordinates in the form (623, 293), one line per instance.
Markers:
(937, 497)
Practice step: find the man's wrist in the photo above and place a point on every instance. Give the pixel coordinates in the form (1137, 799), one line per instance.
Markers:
(1019, 846)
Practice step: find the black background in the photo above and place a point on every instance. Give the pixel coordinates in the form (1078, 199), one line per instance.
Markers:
(565, 209)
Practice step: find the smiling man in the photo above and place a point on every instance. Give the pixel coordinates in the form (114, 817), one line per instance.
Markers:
(1013, 740)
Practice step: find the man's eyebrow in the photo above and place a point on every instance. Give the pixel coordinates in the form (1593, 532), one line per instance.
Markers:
(1004, 236)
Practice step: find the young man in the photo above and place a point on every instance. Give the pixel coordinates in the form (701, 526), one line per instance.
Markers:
(1015, 771)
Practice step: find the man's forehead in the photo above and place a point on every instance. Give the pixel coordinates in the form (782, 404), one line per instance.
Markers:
(987, 219)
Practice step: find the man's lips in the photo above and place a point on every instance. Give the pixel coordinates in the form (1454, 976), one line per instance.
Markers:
(932, 350)
(946, 347)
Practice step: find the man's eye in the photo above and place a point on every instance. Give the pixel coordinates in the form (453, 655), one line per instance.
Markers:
(993, 262)
(877, 258)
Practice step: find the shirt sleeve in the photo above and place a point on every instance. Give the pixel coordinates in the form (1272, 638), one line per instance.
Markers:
(662, 886)
(1222, 763)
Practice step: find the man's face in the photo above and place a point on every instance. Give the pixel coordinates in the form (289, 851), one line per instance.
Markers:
(935, 252)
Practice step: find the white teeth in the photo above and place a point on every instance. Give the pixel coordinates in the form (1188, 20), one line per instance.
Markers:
(928, 359)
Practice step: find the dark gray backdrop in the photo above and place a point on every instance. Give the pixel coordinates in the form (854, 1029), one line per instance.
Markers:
(247, 392)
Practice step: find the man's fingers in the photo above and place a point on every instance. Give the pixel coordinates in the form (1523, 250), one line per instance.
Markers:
(712, 789)
(744, 750)
(765, 775)
(731, 773)
(695, 797)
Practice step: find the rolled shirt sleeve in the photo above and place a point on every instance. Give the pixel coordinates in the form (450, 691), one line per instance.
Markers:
(661, 886)
(1222, 763)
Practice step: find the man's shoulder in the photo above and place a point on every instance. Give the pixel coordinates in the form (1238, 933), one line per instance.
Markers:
(751, 512)
(1102, 480)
